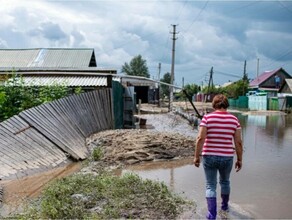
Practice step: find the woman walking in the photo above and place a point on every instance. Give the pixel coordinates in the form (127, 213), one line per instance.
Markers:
(219, 133)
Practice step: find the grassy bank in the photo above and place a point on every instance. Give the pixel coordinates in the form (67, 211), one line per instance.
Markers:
(106, 196)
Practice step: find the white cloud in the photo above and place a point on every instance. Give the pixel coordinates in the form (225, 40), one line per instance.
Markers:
(219, 34)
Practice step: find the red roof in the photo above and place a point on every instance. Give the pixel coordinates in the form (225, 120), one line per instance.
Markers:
(263, 77)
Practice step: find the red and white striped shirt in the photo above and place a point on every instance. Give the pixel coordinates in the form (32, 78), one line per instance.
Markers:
(221, 127)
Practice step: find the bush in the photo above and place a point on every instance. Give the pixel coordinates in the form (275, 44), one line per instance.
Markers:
(97, 154)
(106, 197)
(16, 97)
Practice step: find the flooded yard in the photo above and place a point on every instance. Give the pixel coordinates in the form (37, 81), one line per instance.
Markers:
(262, 189)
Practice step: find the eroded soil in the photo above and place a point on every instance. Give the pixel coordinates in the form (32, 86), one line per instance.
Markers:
(127, 147)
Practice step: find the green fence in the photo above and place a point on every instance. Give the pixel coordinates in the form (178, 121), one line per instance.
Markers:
(273, 104)
(241, 102)
(118, 102)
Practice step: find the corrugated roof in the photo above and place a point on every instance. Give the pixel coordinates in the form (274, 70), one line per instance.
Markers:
(83, 80)
(17, 58)
(47, 58)
(73, 81)
(136, 80)
(263, 77)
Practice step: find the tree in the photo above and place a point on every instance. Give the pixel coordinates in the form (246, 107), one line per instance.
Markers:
(137, 67)
(165, 88)
(237, 89)
(191, 90)
(245, 77)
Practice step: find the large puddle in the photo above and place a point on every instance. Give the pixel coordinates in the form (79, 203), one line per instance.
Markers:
(261, 190)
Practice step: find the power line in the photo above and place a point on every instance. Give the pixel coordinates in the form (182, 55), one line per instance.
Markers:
(277, 59)
(202, 9)
(186, 1)
(284, 6)
(228, 74)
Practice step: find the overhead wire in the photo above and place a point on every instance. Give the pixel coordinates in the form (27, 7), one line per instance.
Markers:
(288, 52)
(167, 40)
(284, 6)
(227, 74)
(198, 15)
(166, 44)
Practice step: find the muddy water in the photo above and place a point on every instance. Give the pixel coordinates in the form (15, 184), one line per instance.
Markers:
(262, 189)
(19, 191)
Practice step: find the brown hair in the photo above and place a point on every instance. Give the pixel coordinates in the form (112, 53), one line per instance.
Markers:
(220, 101)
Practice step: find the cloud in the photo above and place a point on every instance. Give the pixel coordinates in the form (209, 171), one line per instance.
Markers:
(221, 34)
(77, 38)
(48, 30)
(3, 44)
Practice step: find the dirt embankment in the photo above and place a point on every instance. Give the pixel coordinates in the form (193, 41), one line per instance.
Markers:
(170, 137)
(126, 147)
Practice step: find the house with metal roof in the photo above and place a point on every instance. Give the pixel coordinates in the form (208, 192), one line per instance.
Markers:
(47, 58)
(70, 67)
(270, 81)
(73, 67)
(266, 90)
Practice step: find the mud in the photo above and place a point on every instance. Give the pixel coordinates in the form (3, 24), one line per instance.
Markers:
(127, 147)
(18, 192)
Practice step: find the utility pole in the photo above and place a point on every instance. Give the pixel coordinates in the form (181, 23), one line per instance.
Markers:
(244, 71)
(172, 67)
(159, 69)
(183, 82)
(244, 78)
(258, 66)
(210, 82)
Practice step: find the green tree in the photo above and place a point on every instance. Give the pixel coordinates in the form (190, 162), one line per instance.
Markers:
(236, 89)
(191, 89)
(137, 67)
(165, 88)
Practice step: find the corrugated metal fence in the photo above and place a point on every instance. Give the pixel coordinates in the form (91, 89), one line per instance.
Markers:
(43, 137)
(258, 102)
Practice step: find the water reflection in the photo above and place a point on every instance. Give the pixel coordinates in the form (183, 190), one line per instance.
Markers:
(261, 190)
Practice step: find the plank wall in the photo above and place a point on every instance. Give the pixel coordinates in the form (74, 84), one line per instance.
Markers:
(45, 136)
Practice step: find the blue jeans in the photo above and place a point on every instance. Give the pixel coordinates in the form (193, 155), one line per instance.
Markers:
(213, 164)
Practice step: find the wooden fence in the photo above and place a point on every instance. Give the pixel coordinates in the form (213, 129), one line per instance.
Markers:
(43, 137)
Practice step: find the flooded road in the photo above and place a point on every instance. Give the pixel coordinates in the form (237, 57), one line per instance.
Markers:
(261, 190)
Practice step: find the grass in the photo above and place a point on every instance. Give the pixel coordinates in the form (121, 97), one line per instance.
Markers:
(97, 154)
(105, 196)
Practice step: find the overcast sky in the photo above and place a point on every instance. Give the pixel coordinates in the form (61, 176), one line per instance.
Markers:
(218, 34)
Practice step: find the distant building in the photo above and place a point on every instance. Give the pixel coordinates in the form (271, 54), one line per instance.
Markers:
(270, 81)
(53, 58)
